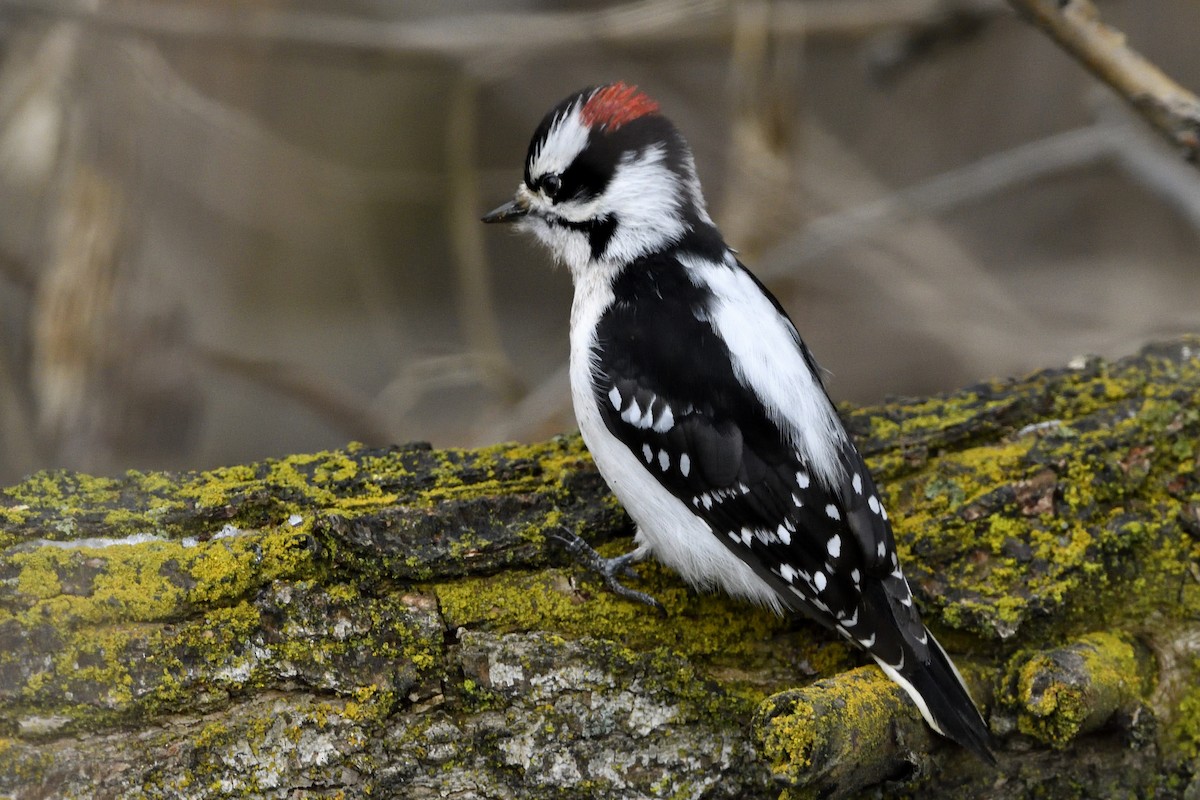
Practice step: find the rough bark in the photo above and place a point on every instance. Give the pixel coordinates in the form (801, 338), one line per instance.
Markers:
(399, 623)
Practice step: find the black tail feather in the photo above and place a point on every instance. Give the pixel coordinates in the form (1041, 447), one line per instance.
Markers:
(950, 704)
(943, 699)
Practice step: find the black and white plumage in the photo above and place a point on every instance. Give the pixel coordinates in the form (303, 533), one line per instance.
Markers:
(702, 406)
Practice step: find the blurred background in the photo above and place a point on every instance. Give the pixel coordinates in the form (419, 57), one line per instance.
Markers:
(244, 228)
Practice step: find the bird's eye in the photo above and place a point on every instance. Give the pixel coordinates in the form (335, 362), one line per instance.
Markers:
(551, 185)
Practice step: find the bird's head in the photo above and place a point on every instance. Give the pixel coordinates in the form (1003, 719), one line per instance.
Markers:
(607, 180)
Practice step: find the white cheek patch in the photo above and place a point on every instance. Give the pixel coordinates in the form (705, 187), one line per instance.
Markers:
(645, 196)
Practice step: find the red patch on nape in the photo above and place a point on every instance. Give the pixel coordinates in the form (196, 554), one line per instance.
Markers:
(614, 105)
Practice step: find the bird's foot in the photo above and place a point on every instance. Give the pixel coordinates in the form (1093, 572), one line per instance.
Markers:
(608, 568)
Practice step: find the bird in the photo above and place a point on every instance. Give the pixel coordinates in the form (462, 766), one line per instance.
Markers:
(703, 408)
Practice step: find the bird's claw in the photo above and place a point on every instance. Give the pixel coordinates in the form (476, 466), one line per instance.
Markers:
(608, 568)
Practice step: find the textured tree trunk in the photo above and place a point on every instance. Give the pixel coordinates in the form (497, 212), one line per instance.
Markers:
(400, 623)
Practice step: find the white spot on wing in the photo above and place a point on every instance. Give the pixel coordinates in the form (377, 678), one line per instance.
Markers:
(802, 480)
(784, 534)
(880, 549)
(664, 460)
(664, 421)
(787, 572)
(832, 511)
(867, 642)
(854, 575)
(857, 483)
(796, 499)
(873, 504)
(614, 397)
(707, 498)
(834, 546)
(747, 536)
(647, 453)
(633, 413)
(819, 581)
(685, 464)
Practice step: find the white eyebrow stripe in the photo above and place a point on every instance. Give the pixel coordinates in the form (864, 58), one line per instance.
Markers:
(566, 139)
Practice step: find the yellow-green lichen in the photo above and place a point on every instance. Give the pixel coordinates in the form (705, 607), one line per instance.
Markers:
(1013, 536)
(829, 728)
(1033, 527)
(23, 764)
(1185, 723)
(703, 625)
(1061, 693)
(749, 650)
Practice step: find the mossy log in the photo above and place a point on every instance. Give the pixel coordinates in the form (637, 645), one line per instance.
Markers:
(400, 622)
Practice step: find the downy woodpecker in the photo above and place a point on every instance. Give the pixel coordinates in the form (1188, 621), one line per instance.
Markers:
(703, 408)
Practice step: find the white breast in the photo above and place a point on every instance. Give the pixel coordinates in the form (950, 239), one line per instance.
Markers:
(675, 535)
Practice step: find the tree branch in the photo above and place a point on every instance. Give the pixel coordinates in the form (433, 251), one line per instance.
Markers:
(398, 622)
(1075, 25)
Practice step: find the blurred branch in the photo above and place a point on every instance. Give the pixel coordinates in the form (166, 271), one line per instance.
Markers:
(920, 265)
(645, 22)
(18, 273)
(237, 143)
(21, 447)
(429, 376)
(982, 178)
(543, 410)
(897, 51)
(262, 180)
(1146, 160)
(1075, 25)
(476, 311)
(760, 201)
(1110, 138)
(339, 405)
(77, 313)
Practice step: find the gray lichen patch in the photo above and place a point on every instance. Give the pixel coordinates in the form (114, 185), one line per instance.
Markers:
(591, 716)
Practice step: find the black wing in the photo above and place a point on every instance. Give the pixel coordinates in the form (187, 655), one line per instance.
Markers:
(666, 387)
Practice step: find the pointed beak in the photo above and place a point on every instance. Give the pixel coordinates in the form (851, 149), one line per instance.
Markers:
(511, 211)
